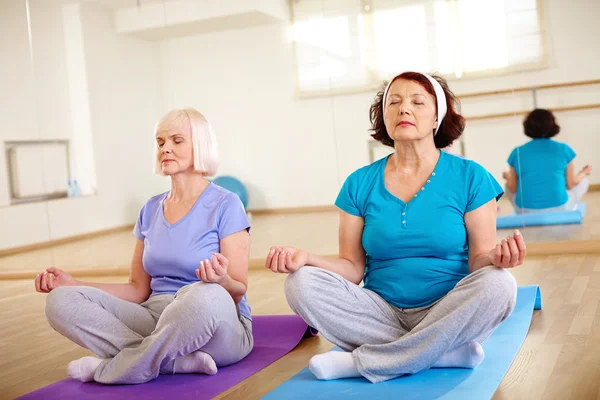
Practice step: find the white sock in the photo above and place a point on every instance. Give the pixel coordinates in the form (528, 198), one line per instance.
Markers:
(333, 365)
(469, 355)
(83, 369)
(197, 362)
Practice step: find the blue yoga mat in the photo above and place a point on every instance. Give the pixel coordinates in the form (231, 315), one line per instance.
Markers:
(437, 383)
(542, 218)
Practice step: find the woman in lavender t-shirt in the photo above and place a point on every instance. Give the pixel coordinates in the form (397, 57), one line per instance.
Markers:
(184, 309)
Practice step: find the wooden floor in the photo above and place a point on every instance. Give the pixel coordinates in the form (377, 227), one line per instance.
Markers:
(560, 358)
(315, 231)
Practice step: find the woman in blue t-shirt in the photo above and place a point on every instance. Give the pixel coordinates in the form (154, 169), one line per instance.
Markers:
(541, 176)
(419, 228)
(184, 309)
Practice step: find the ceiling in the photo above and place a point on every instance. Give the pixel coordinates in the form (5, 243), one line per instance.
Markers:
(115, 4)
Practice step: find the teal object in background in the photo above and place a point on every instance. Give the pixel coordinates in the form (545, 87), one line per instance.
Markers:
(542, 218)
(233, 185)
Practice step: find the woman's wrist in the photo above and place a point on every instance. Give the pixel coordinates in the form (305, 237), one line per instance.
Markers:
(226, 282)
(481, 261)
(310, 259)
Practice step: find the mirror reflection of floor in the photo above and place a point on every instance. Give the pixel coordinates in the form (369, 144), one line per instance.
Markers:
(588, 230)
(314, 231)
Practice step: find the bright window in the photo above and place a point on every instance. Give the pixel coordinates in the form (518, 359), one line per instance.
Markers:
(348, 45)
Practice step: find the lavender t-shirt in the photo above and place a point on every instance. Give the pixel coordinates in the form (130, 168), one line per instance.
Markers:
(172, 252)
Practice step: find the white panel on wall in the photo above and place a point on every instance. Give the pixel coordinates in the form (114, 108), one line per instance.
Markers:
(38, 169)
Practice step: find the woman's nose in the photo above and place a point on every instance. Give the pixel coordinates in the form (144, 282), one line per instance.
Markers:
(404, 108)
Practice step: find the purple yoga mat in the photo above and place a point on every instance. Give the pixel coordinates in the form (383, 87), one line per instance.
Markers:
(274, 336)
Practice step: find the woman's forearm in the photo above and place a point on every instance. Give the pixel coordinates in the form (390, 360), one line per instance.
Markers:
(580, 176)
(340, 266)
(126, 291)
(576, 181)
(511, 184)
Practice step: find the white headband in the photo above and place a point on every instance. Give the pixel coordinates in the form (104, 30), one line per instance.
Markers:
(439, 94)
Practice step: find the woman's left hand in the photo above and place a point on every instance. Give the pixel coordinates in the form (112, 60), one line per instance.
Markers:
(213, 270)
(587, 170)
(510, 253)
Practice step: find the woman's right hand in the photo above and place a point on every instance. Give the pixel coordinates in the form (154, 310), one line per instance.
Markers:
(286, 259)
(53, 278)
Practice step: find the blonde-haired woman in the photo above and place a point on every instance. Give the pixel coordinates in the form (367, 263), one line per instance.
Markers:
(184, 309)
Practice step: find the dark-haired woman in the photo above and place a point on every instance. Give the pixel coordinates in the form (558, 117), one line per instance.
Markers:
(546, 169)
(419, 228)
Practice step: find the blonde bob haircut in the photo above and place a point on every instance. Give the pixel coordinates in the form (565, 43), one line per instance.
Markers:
(204, 141)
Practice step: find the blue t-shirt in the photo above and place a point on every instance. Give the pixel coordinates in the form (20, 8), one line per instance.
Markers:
(417, 251)
(541, 168)
(172, 252)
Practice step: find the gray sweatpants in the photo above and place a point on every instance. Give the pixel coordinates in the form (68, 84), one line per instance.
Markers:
(387, 341)
(139, 341)
(574, 195)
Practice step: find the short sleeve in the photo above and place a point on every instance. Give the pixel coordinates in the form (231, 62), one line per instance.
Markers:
(482, 188)
(347, 197)
(232, 216)
(512, 159)
(569, 153)
(139, 225)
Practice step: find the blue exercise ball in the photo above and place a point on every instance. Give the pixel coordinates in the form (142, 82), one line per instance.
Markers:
(233, 185)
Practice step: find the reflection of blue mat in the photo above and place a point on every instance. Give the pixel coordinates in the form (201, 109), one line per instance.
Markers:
(439, 383)
(542, 218)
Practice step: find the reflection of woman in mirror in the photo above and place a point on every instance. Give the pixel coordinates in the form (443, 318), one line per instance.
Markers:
(542, 174)
(419, 228)
(184, 309)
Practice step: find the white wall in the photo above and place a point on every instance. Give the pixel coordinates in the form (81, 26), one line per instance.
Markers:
(243, 81)
(124, 93)
(17, 101)
(297, 152)
(122, 77)
(34, 104)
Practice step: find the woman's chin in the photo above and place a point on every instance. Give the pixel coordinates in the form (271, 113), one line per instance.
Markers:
(404, 137)
(167, 171)
(407, 135)
(176, 170)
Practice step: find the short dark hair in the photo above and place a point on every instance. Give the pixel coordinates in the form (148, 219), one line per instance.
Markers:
(452, 126)
(540, 123)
